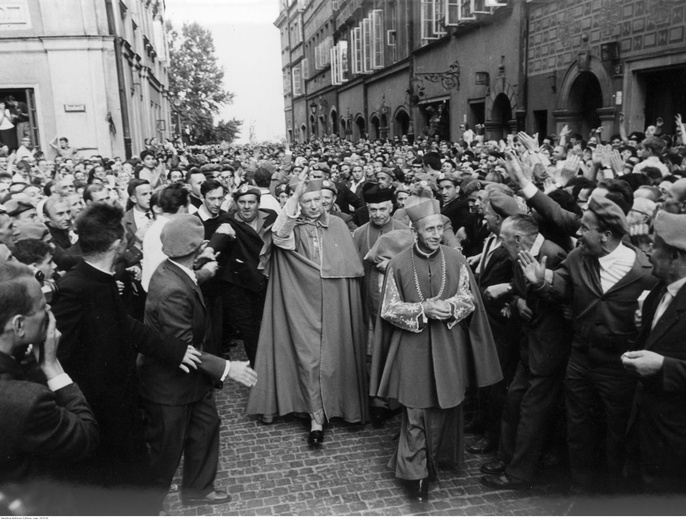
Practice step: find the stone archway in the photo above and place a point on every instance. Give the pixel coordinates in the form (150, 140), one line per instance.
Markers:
(401, 122)
(501, 107)
(359, 128)
(374, 125)
(585, 99)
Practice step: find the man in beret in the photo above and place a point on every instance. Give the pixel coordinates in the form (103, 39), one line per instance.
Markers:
(311, 351)
(659, 359)
(346, 200)
(98, 349)
(423, 356)
(494, 275)
(21, 211)
(329, 193)
(239, 240)
(180, 412)
(603, 279)
(380, 207)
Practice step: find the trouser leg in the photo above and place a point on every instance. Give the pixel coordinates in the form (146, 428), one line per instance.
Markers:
(201, 453)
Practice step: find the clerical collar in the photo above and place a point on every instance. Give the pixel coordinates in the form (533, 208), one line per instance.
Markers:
(322, 220)
(111, 273)
(422, 253)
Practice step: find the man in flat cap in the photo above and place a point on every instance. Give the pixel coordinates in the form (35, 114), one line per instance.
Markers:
(180, 412)
(603, 279)
(659, 358)
(310, 355)
(494, 272)
(423, 357)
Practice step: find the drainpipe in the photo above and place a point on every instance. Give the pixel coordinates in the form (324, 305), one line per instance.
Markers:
(123, 100)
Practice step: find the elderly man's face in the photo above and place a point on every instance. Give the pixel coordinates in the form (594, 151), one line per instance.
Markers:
(429, 232)
(384, 179)
(380, 212)
(311, 204)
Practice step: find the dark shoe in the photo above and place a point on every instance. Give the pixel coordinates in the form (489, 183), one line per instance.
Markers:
(482, 446)
(419, 490)
(379, 416)
(495, 467)
(215, 497)
(504, 481)
(315, 438)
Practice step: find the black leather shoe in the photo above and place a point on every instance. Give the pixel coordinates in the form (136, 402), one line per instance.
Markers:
(315, 438)
(215, 497)
(482, 446)
(495, 467)
(419, 490)
(504, 481)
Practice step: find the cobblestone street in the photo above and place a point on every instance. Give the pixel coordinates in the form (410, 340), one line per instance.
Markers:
(270, 470)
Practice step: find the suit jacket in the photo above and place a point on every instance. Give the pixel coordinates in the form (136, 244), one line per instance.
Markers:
(346, 198)
(661, 398)
(556, 223)
(548, 334)
(175, 306)
(98, 350)
(40, 428)
(498, 270)
(604, 319)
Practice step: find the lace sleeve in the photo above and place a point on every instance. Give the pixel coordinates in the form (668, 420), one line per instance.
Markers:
(462, 303)
(407, 316)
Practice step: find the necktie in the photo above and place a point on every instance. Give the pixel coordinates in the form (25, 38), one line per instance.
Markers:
(662, 307)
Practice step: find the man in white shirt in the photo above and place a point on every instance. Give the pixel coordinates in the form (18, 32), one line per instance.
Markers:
(602, 279)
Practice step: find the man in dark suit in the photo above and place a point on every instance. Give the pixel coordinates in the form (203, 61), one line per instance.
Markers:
(494, 274)
(240, 240)
(536, 390)
(98, 349)
(659, 358)
(181, 414)
(603, 279)
(43, 426)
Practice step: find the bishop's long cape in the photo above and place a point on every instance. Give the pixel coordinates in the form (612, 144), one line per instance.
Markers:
(312, 339)
(428, 363)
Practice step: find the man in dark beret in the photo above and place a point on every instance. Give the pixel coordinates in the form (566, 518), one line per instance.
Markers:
(602, 279)
(659, 358)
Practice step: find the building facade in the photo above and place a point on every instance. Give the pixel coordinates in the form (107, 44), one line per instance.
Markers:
(383, 69)
(92, 71)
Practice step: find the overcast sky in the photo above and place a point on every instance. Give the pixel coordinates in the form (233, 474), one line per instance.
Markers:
(248, 47)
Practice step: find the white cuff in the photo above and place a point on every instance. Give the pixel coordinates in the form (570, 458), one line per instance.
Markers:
(226, 370)
(529, 190)
(60, 381)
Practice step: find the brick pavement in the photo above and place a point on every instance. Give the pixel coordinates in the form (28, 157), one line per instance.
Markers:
(270, 470)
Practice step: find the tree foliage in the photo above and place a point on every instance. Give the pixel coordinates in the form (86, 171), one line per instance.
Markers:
(196, 83)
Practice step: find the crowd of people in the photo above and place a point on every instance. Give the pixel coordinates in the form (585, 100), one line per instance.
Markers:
(528, 289)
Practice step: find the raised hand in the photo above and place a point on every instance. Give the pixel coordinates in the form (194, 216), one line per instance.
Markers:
(532, 269)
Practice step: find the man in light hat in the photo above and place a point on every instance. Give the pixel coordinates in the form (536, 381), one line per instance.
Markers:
(310, 355)
(423, 357)
(603, 279)
(659, 358)
(180, 411)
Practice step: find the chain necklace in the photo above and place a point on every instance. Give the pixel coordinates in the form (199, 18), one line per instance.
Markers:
(416, 278)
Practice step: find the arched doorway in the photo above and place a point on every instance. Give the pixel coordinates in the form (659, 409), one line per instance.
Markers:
(359, 129)
(401, 123)
(374, 128)
(585, 98)
(501, 115)
(303, 133)
(343, 130)
(334, 121)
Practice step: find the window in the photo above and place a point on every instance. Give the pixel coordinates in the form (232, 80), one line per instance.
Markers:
(286, 82)
(391, 33)
(377, 38)
(432, 26)
(305, 68)
(322, 53)
(356, 44)
(366, 46)
(339, 63)
(297, 80)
